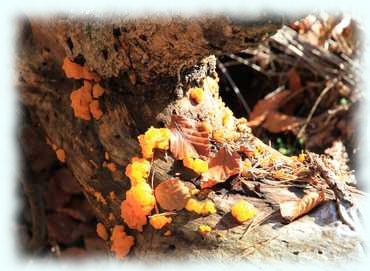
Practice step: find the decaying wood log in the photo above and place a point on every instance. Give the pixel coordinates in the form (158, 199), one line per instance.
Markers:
(146, 68)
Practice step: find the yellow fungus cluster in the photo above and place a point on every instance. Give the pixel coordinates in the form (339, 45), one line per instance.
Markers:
(197, 165)
(140, 200)
(138, 170)
(138, 204)
(84, 101)
(159, 221)
(243, 211)
(196, 95)
(204, 229)
(154, 138)
(121, 242)
(224, 135)
(142, 193)
(205, 207)
(102, 231)
(76, 71)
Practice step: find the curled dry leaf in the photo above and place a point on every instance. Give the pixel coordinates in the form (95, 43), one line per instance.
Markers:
(277, 122)
(223, 165)
(290, 210)
(266, 106)
(294, 80)
(172, 194)
(188, 138)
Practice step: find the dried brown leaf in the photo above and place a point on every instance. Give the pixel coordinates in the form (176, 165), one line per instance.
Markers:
(277, 122)
(223, 165)
(290, 210)
(294, 80)
(172, 194)
(188, 138)
(265, 106)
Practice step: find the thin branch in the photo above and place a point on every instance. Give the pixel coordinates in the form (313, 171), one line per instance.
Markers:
(314, 107)
(234, 87)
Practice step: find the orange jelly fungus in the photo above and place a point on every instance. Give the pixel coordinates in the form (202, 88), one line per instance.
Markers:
(159, 221)
(204, 229)
(95, 111)
(112, 167)
(61, 155)
(121, 242)
(97, 91)
(196, 95)
(197, 165)
(243, 211)
(76, 71)
(154, 138)
(138, 170)
(142, 193)
(102, 231)
(205, 207)
(80, 100)
(139, 203)
(133, 215)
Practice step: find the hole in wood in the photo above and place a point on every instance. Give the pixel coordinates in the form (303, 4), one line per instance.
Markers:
(69, 43)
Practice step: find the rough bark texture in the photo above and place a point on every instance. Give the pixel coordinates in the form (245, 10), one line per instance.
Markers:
(140, 63)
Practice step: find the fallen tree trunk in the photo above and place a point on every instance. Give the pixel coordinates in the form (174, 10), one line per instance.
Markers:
(146, 70)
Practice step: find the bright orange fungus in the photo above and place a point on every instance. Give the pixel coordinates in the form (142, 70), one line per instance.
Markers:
(159, 221)
(133, 215)
(97, 91)
(76, 71)
(102, 231)
(154, 138)
(197, 165)
(80, 100)
(95, 109)
(121, 242)
(61, 155)
(139, 203)
(205, 207)
(138, 170)
(243, 211)
(196, 94)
